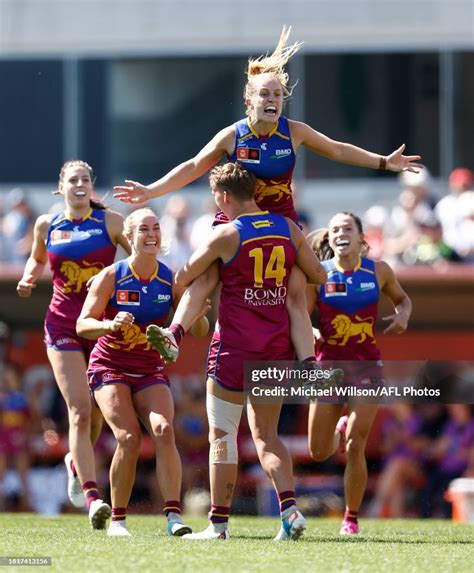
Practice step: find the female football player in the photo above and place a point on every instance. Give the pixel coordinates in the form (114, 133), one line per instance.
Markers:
(347, 305)
(79, 242)
(126, 375)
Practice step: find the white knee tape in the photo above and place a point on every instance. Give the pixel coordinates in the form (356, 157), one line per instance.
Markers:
(223, 416)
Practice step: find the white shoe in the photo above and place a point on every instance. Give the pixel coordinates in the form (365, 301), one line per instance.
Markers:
(74, 488)
(292, 527)
(209, 534)
(163, 341)
(99, 513)
(118, 529)
(178, 528)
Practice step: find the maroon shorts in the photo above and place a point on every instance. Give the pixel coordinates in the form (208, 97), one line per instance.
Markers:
(65, 337)
(225, 364)
(99, 377)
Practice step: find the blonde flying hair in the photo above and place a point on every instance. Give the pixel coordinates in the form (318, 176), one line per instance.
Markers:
(273, 64)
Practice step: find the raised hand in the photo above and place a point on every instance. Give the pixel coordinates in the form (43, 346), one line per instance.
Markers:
(397, 162)
(134, 192)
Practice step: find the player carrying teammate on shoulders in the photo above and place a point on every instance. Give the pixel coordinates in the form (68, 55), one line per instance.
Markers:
(126, 375)
(255, 253)
(347, 306)
(266, 143)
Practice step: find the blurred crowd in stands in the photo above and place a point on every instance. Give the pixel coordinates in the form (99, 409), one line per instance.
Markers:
(420, 229)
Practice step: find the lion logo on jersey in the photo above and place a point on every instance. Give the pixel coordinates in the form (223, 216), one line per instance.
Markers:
(345, 329)
(78, 276)
(132, 337)
(271, 189)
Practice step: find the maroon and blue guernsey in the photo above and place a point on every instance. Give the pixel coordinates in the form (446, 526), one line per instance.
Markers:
(149, 301)
(272, 159)
(347, 305)
(252, 310)
(77, 249)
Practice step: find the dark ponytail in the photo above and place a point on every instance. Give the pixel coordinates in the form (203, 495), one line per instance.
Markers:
(97, 205)
(319, 241)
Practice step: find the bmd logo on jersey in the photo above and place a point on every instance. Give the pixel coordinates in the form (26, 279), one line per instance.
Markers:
(248, 154)
(335, 289)
(128, 297)
(160, 298)
(366, 286)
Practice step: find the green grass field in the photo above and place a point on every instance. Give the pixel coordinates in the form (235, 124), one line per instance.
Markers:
(390, 545)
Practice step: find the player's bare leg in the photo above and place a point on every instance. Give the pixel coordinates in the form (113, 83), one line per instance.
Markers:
(227, 406)
(361, 418)
(69, 369)
(155, 408)
(96, 423)
(115, 402)
(323, 438)
(276, 461)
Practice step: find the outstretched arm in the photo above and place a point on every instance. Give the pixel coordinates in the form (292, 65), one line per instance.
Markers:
(390, 286)
(183, 174)
(303, 134)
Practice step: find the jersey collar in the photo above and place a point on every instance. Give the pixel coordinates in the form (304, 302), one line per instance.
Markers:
(136, 275)
(356, 268)
(71, 218)
(252, 214)
(258, 134)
